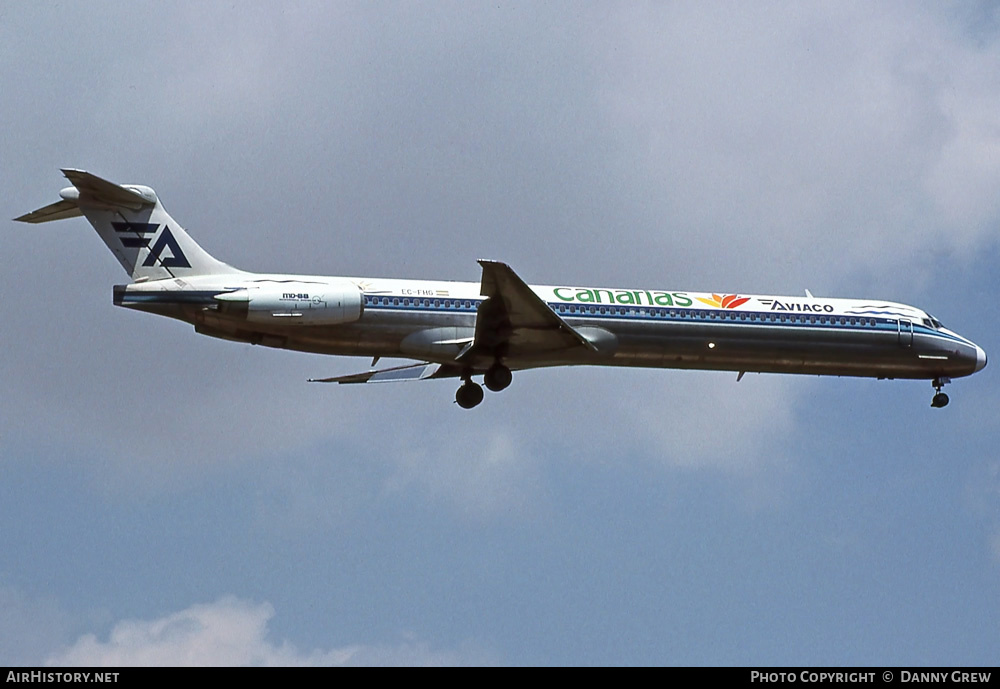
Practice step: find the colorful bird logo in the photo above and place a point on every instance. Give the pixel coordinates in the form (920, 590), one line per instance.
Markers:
(725, 301)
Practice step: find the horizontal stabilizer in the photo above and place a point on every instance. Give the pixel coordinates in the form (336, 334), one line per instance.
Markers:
(60, 210)
(91, 191)
(419, 371)
(94, 189)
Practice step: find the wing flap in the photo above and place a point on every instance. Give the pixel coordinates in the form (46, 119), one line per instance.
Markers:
(420, 371)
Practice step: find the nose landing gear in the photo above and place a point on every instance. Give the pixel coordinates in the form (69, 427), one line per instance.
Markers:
(940, 399)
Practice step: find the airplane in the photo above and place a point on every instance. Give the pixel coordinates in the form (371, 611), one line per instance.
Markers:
(501, 324)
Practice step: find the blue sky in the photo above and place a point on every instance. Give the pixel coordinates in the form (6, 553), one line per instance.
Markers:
(169, 498)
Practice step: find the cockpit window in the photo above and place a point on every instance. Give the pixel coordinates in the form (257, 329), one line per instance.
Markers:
(932, 322)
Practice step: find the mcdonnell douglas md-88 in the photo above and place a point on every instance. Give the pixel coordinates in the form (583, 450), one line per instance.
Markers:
(501, 324)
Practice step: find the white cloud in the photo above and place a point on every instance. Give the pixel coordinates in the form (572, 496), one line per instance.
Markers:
(485, 472)
(233, 632)
(822, 142)
(715, 422)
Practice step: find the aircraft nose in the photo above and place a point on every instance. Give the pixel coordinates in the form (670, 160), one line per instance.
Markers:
(980, 358)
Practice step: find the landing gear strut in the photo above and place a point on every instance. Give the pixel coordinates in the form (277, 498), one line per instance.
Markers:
(469, 395)
(940, 399)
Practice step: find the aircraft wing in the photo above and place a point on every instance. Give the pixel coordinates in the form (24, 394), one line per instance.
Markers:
(511, 321)
(514, 320)
(421, 371)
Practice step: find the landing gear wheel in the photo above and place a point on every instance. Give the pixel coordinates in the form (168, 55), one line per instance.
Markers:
(940, 400)
(469, 395)
(498, 377)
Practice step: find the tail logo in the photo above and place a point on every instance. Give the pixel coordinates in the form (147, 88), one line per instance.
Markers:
(177, 259)
(137, 235)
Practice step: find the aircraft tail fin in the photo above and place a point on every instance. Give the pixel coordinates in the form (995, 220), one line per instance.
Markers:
(130, 219)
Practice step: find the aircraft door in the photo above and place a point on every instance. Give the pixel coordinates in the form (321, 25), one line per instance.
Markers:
(905, 328)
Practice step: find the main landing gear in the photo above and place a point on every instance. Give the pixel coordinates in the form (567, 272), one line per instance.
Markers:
(940, 399)
(496, 378)
(469, 395)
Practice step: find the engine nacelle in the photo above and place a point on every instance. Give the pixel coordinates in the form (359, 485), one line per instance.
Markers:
(296, 303)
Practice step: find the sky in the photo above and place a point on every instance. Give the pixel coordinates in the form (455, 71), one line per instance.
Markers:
(167, 498)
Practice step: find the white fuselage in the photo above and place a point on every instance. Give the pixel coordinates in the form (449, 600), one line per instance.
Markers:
(501, 324)
(433, 321)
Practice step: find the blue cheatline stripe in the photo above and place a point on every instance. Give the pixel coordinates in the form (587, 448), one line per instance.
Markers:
(673, 314)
